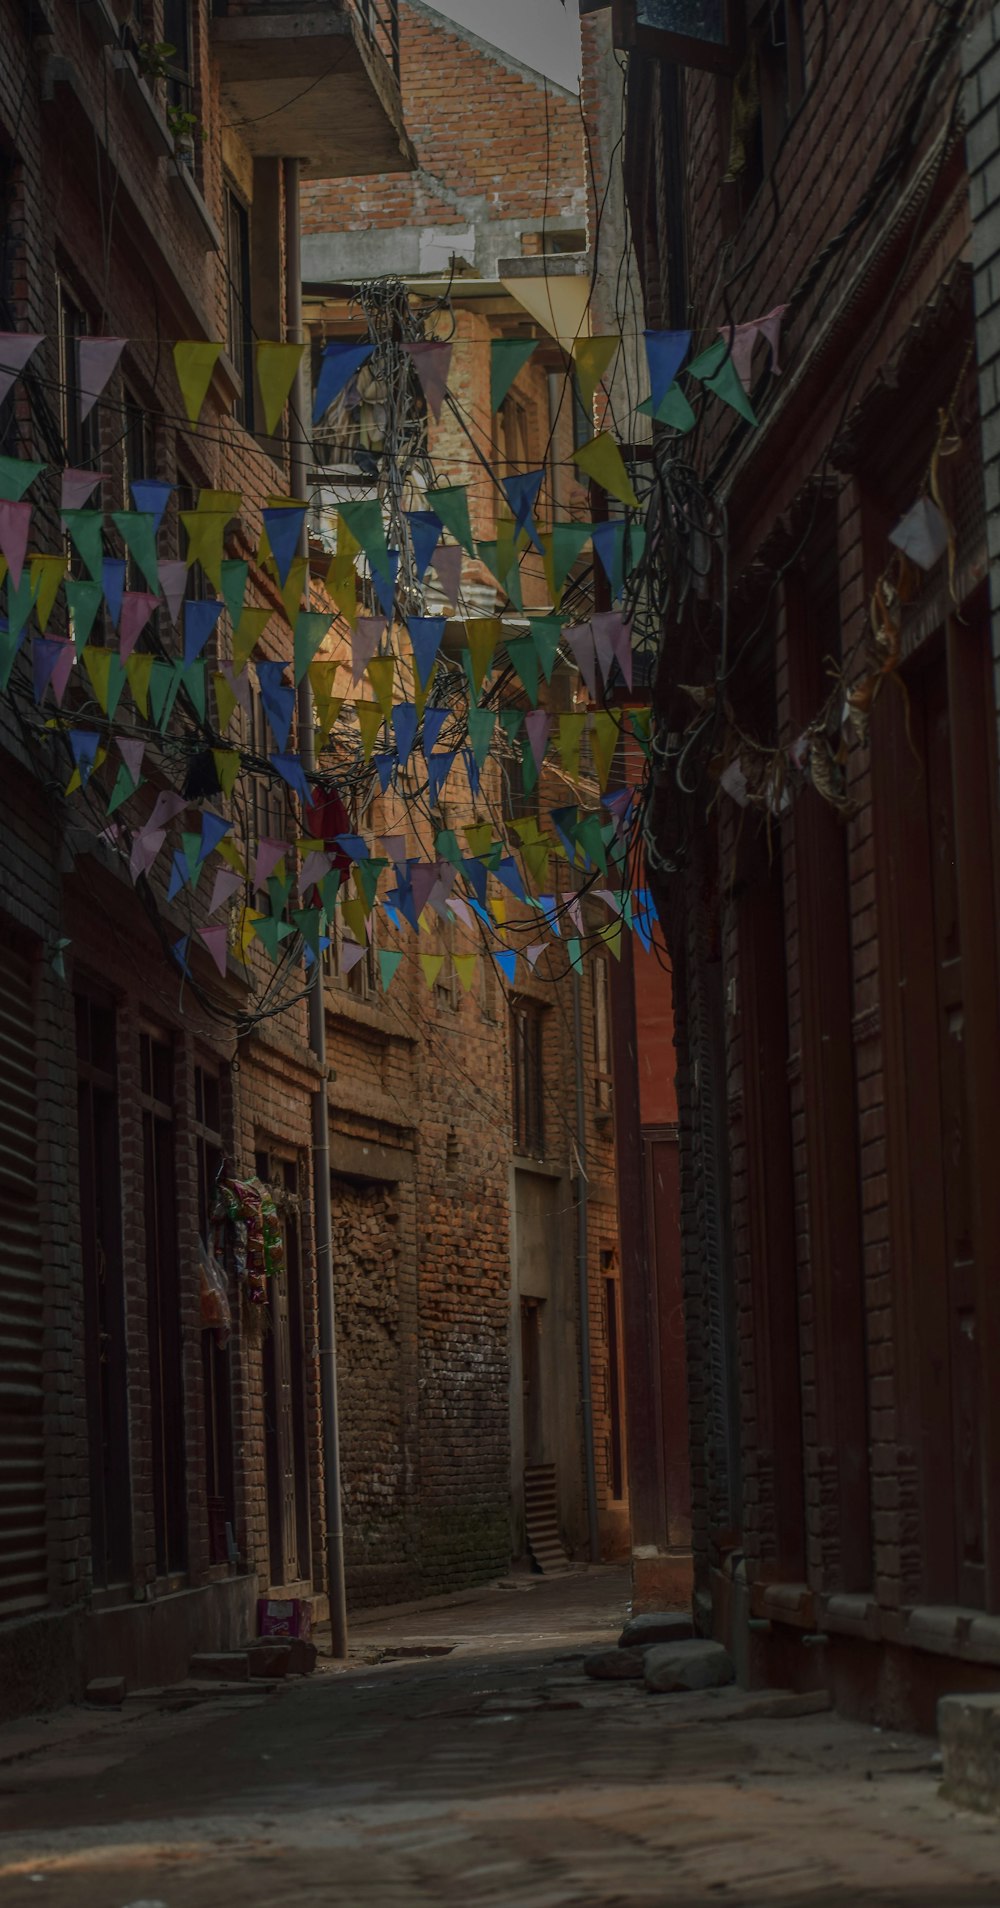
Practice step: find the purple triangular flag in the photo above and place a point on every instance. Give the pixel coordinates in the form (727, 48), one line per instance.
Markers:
(76, 487)
(581, 642)
(96, 360)
(604, 626)
(269, 853)
(173, 583)
(537, 724)
(132, 748)
(216, 939)
(137, 608)
(15, 526)
(16, 348)
(621, 643)
(431, 362)
(533, 954)
(423, 879)
(365, 638)
(227, 883)
(448, 560)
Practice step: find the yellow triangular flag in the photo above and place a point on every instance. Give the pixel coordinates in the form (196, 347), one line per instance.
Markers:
(247, 635)
(612, 936)
(480, 838)
(97, 663)
(194, 364)
(138, 670)
(248, 918)
(498, 909)
(330, 719)
(536, 859)
(465, 967)
(592, 357)
(227, 848)
(206, 530)
(602, 460)
(558, 303)
(276, 368)
(295, 586)
(356, 917)
(322, 676)
(571, 729)
(227, 768)
(342, 587)
(370, 720)
(603, 742)
(227, 503)
(46, 573)
(76, 779)
(225, 700)
(380, 672)
(432, 965)
(482, 633)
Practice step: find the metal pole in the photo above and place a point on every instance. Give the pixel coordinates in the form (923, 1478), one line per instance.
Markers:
(299, 472)
(582, 1256)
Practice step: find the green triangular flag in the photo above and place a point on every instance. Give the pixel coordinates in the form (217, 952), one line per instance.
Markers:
(329, 888)
(234, 573)
(446, 845)
(138, 533)
(482, 723)
(523, 656)
(546, 632)
(364, 521)
(84, 600)
(8, 652)
(309, 923)
(635, 547)
(367, 875)
(497, 558)
(20, 601)
(193, 677)
(589, 836)
(310, 628)
(510, 722)
(86, 529)
(279, 892)
(715, 368)
(191, 845)
(124, 787)
(17, 474)
(508, 356)
(164, 682)
(451, 505)
(529, 767)
(673, 408)
(564, 544)
(272, 931)
(388, 961)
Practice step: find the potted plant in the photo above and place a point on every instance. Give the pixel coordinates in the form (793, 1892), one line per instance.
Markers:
(184, 126)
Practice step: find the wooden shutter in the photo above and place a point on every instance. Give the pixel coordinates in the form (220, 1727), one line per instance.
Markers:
(23, 1562)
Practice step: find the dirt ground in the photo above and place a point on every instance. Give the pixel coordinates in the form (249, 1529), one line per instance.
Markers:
(477, 1765)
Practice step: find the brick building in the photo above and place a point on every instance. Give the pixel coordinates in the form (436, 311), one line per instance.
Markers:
(153, 1480)
(822, 834)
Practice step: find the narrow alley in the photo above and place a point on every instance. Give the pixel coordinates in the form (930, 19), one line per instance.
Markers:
(470, 1760)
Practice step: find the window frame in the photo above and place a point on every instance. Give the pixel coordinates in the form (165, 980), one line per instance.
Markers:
(527, 1024)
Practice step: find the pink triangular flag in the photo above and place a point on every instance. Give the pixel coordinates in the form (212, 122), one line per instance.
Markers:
(431, 362)
(532, 954)
(96, 360)
(16, 348)
(269, 854)
(15, 525)
(741, 340)
(351, 953)
(137, 608)
(604, 626)
(447, 561)
(62, 669)
(365, 638)
(167, 806)
(173, 583)
(537, 725)
(770, 328)
(240, 686)
(423, 879)
(146, 846)
(461, 911)
(227, 881)
(315, 866)
(216, 940)
(581, 642)
(77, 486)
(621, 643)
(132, 748)
(575, 913)
(395, 847)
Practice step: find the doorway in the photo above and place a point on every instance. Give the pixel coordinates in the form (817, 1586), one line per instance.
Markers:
(285, 1397)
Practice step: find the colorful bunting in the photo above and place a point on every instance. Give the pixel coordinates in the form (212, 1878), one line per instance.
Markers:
(341, 361)
(194, 364)
(277, 365)
(431, 361)
(602, 460)
(96, 359)
(450, 504)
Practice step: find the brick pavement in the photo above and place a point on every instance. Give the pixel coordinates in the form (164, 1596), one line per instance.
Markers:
(495, 1774)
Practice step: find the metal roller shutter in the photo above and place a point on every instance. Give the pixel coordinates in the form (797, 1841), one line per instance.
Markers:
(23, 1561)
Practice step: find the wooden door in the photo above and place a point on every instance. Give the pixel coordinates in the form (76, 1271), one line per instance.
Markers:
(285, 1419)
(531, 1381)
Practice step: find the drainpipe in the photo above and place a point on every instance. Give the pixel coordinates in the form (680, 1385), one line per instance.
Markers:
(582, 1270)
(299, 473)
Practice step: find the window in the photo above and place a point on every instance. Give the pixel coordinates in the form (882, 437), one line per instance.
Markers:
(602, 1033)
(163, 1299)
(239, 332)
(762, 97)
(79, 436)
(527, 1065)
(705, 33)
(105, 1348)
(268, 818)
(215, 1362)
(177, 33)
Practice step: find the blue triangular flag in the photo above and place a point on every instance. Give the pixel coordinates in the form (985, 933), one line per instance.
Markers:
(151, 497)
(354, 847)
(83, 743)
(284, 530)
(425, 635)
(547, 905)
(475, 875)
(665, 353)
(507, 963)
(339, 364)
(509, 873)
(290, 769)
(384, 765)
(404, 723)
(113, 585)
(213, 827)
(439, 768)
(425, 535)
(608, 539)
(434, 721)
(385, 586)
(180, 874)
(200, 618)
(564, 819)
(472, 771)
(521, 493)
(180, 951)
(278, 698)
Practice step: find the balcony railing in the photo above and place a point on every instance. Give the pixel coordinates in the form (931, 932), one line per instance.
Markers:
(379, 21)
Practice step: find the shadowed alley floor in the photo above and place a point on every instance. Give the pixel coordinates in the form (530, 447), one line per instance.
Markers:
(495, 1774)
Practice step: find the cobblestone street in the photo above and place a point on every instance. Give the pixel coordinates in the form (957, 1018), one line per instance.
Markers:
(495, 1774)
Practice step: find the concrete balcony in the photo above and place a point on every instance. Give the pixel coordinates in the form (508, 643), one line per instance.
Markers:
(318, 83)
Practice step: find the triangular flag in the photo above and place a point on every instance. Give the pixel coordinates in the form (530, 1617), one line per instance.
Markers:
(665, 353)
(193, 678)
(507, 963)
(448, 559)
(673, 409)
(107, 677)
(431, 965)
(278, 698)
(465, 966)
(277, 365)
(227, 768)
(113, 584)
(45, 655)
(76, 486)
(284, 529)
(290, 769)
(340, 362)
(609, 545)
(558, 303)
(592, 357)
(225, 700)
(194, 363)
(173, 583)
(602, 460)
(16, 348)
(534, 954)
(580, 641)
(138, 674)
(561, 547)
(96, 359)
(385, 584)
(227, 883)
(404, 724)
(310, 629)
(15, 527)
(61, 673)
(571, 729)
(425, 634)
(715, 369)
(770, 329)
(546, 634)
(434, 721)
(482, 724)
(233, 587)
(388, 961)
(295, 587)
(431, 362)
(17, 474)
(247, 635)
(537, 725)
(524, 658)
(482, 633)
(322, 677)
(151, 498)
(342, 587)
(364, 521)
(137, 608)
(200, 618)
(521, 492)
(269, 854)
(132, 748)
(425, 534)
(138, 533)
(216, 939)
(604, 735)
(83, 742)
(370, 719)
(450, 505)
(46, 573)
(508, 356)
(206, 532)
(365, 638)
(86, 534)
(439, 768)
(380, 674)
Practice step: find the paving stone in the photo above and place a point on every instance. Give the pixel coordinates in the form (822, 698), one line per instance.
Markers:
(687, 1665)
(615, 1666)
(660, 1626)
(108, 1691)
(969, 1728)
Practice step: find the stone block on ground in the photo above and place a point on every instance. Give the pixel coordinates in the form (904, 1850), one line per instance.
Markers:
(269, 1658)
(108, 1692)
(301, 1657)
(969, 1728)
(615, 1666)
(693, 1664)
(661, 1626)
(223, 1666)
